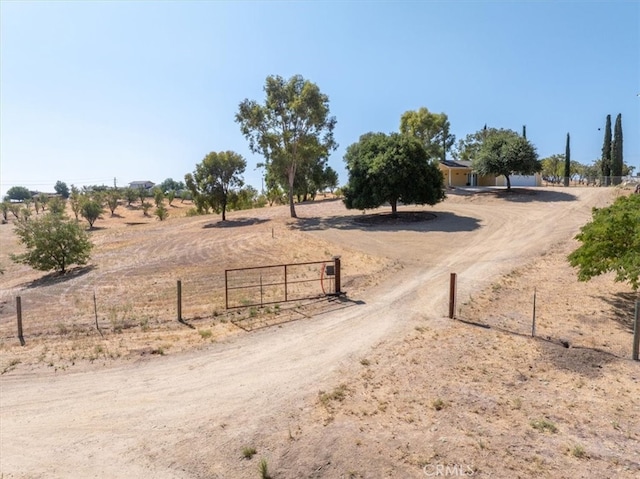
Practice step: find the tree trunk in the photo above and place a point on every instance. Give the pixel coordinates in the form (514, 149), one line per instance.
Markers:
(292, 208)
(394, 207)
(508, 182)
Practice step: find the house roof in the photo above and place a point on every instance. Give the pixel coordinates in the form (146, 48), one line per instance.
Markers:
(456, 164)
(141, 183)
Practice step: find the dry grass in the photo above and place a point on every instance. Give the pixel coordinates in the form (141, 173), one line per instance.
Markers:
(478, 393)
(133, 274)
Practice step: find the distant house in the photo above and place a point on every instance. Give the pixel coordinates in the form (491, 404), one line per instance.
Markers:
(460, 173)
(147, 185)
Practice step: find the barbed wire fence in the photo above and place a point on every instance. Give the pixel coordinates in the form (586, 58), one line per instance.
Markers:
(616, 332)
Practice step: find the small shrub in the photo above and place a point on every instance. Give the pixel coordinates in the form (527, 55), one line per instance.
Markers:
(543, 425)
(144, 324)
(161, 212)
(578, 451)
(263, 468)
(438, 404)
(365, 362)
(248, 452)
(205, 333)
(338, 394)
(146, 206)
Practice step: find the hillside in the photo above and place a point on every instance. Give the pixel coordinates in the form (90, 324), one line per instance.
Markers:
(380, 384)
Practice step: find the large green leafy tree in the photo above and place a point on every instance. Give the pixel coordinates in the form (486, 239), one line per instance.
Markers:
(617, 161)
(432, 129)
(552, 168)
(391, 168)
(504, 152)
(53, 243)
(18, 193)
(605, 165)
(293, 129)
(469, 146)
(214, 178)
(62, 189)
(611, 242)
(171, 185)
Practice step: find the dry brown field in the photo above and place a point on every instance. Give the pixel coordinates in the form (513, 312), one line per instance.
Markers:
(377, 384)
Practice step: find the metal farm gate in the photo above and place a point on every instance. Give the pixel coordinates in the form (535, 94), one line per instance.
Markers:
(260, 285)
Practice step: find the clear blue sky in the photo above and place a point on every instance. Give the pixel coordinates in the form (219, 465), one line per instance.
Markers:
(92, 91)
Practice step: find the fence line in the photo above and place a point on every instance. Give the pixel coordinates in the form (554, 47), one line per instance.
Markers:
(529, 318)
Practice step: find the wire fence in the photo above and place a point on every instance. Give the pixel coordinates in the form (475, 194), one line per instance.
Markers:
(74, 305)
(611, 332)
(60, 308)
(598, 181)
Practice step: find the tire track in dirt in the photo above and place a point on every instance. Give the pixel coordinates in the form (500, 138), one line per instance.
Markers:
(160, 414)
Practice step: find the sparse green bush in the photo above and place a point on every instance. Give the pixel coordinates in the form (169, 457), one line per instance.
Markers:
(248, 452)
(263, 468)
(205, 333)
(543, 425)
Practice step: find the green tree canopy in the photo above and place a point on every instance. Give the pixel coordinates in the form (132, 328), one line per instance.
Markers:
(91, 209)
(505, 153)
(171, 185)
(553, 167)
(611, 242)
(432, 129)
(391, 168)
(469, 146)
(214, 178)
(62, 189)
(292, 129)
(53, 243)
(18, 193)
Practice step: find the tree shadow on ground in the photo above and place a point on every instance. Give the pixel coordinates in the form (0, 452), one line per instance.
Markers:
(585, 361)
(57, 278)
(623, 306)
(517, 195)
(419, 221)
(236, 222)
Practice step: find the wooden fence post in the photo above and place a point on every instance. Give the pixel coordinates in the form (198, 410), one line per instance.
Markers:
(533, 324)
(179, 301)
(636, 333)
(19, 311)
(452, 295)
(336, 278)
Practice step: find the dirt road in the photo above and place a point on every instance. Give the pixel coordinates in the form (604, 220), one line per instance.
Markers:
(182, 416)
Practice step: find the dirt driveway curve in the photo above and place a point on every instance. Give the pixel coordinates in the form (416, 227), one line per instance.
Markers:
(162, 418)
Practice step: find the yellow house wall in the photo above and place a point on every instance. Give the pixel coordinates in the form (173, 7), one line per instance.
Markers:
(454, 176)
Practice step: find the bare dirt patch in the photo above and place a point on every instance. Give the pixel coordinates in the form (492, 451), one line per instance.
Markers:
(381, 385)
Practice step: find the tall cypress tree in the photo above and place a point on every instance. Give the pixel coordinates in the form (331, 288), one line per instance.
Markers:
(567, 162)
(616, 152)
(524, 131)
(606, 152)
